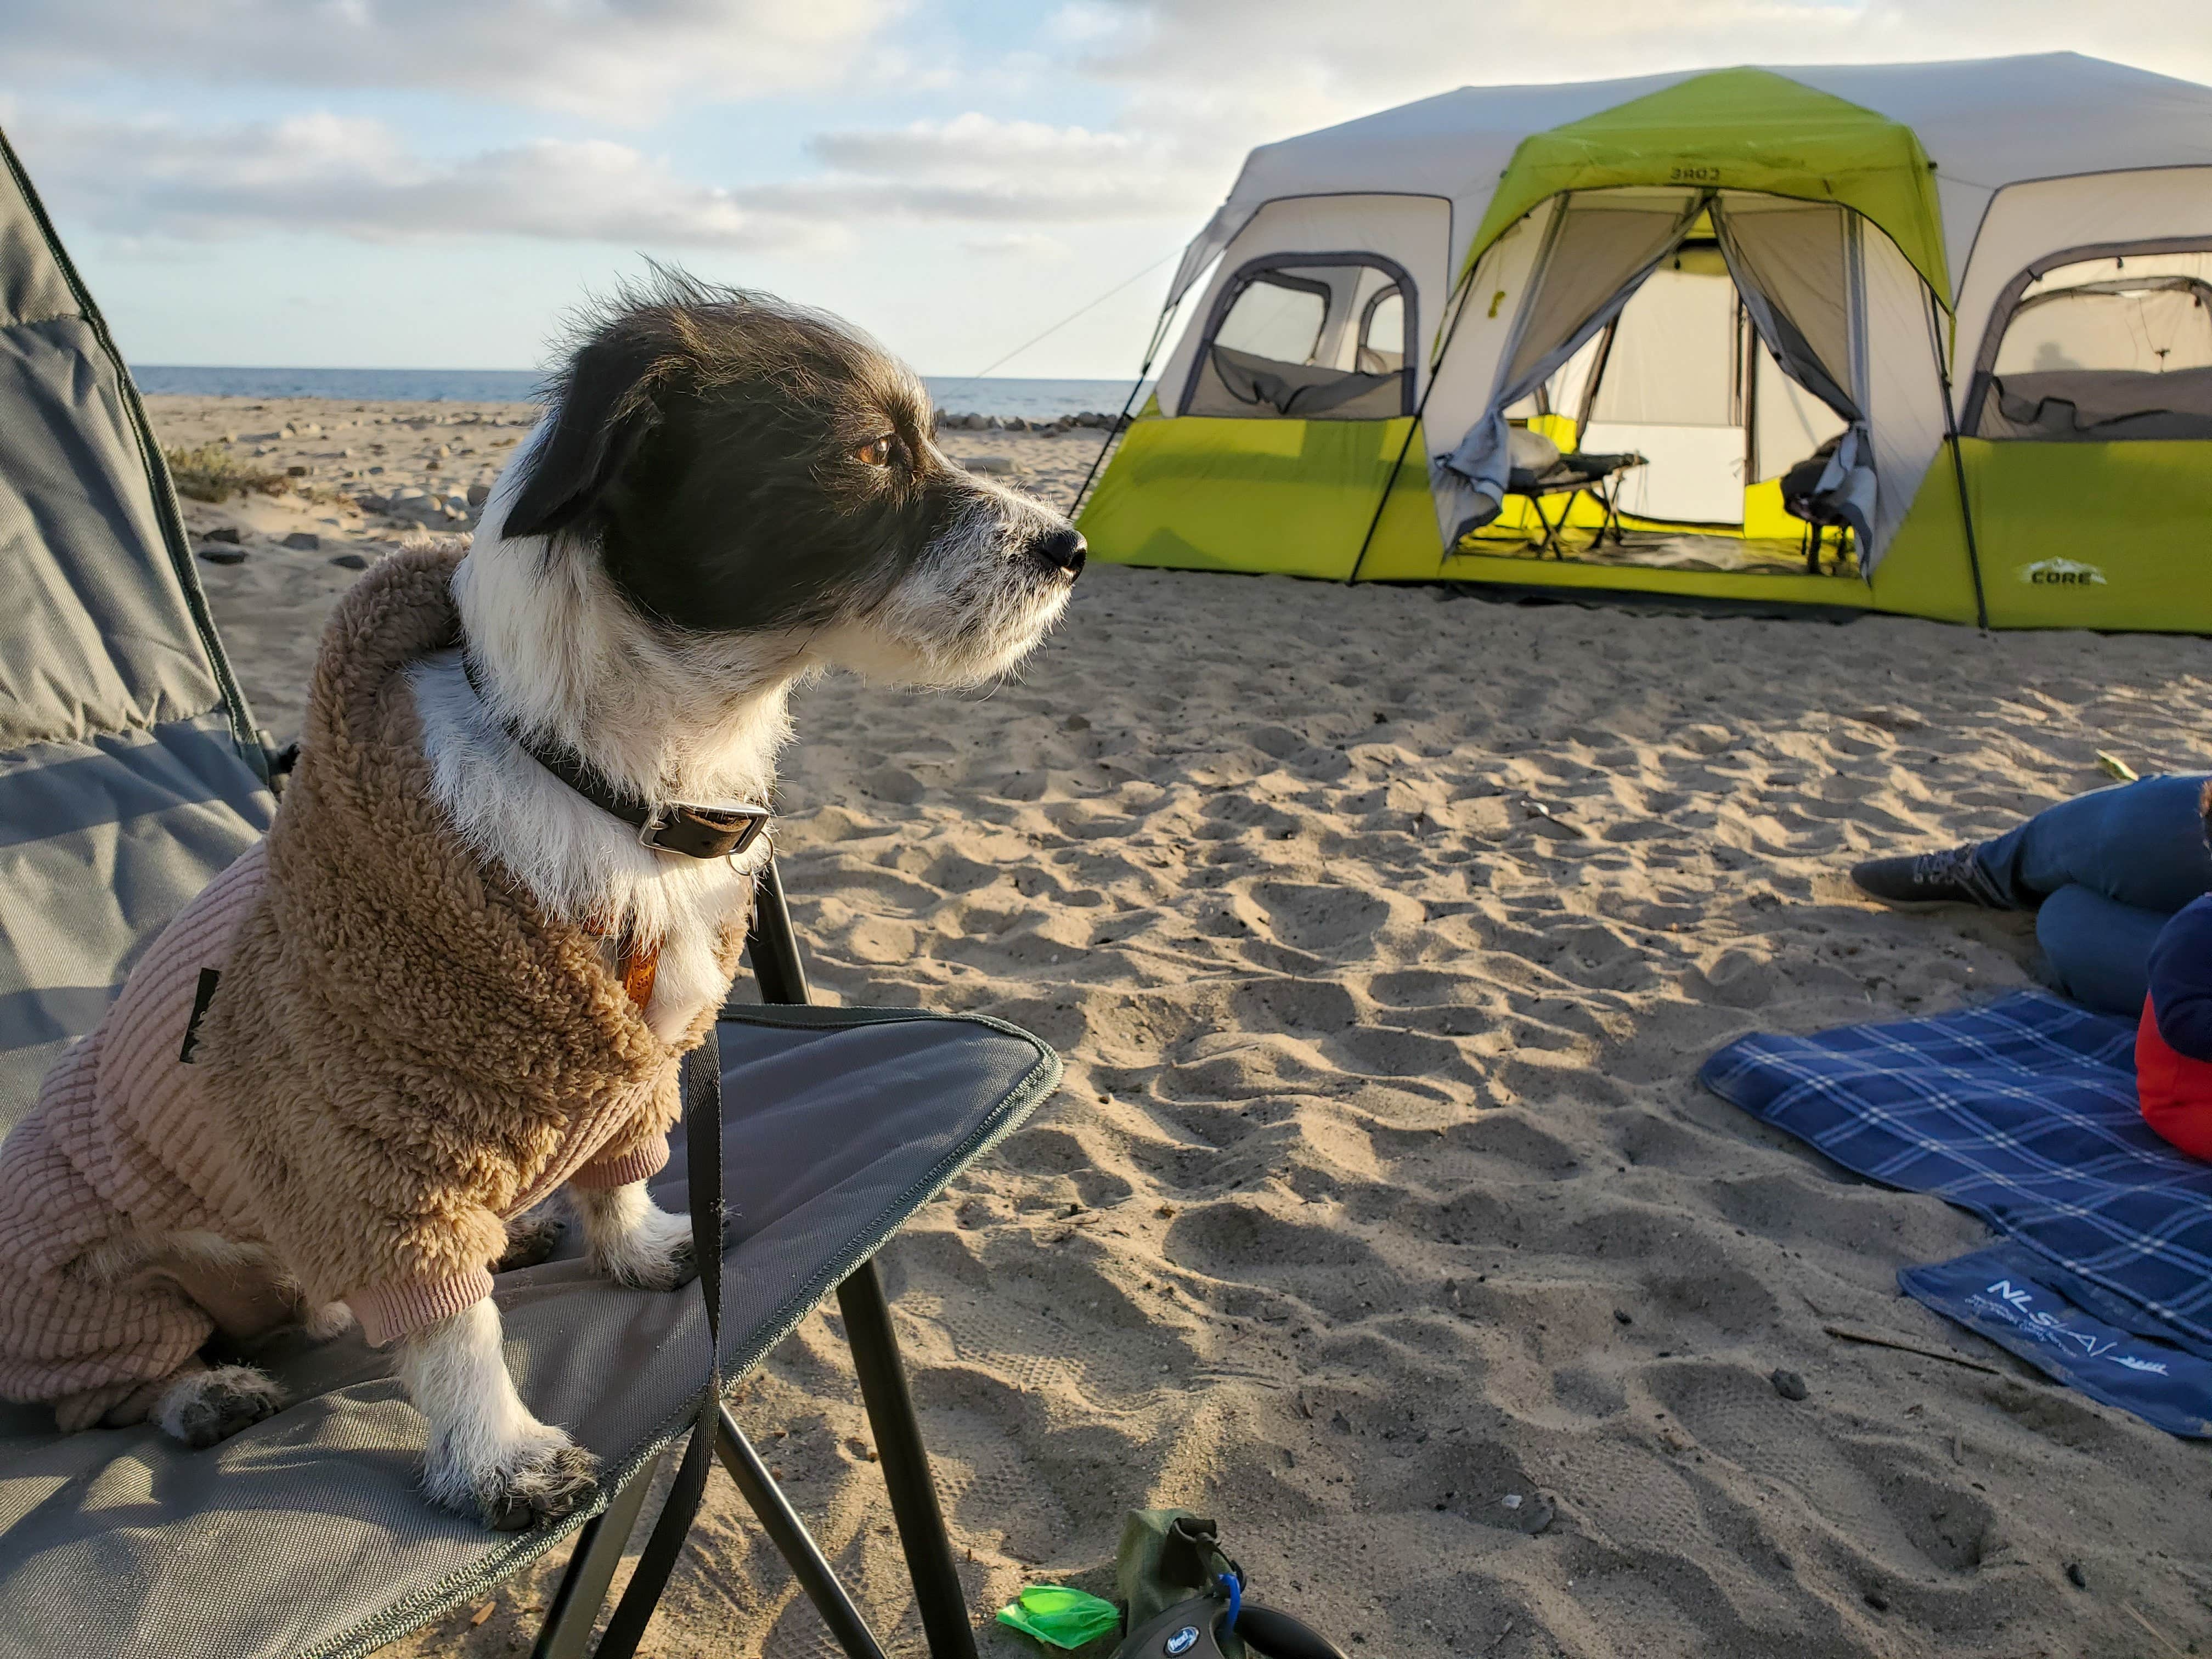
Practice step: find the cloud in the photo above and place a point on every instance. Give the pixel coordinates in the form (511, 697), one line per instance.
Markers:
(619, 60)
(1289, 65)
(357, 177)
(354, 177)
(979, 169)
(1033, 246)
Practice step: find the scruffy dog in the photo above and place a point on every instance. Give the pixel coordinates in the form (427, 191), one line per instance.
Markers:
(504, 892)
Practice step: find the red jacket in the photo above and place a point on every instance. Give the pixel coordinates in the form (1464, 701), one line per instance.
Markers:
(2176, 1092)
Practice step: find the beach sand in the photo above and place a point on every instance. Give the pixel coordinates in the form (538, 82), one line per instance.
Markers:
(1381, 1215)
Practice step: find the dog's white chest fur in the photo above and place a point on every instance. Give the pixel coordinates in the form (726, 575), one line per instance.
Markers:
(580, 863)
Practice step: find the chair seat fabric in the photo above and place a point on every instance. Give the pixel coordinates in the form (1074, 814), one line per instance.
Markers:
(306, 1538)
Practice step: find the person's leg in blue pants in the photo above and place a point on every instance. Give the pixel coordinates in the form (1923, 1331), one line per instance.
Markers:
(2098, 949)
(2104, 872)
(2140, 844)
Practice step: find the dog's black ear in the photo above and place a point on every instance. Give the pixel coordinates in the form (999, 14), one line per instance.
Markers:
(607, 407)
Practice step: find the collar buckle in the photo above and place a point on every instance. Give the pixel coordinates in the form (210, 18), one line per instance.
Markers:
(703, 832)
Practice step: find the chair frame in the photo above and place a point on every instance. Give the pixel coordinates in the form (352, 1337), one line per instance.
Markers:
(772, 947)
(1604, 490)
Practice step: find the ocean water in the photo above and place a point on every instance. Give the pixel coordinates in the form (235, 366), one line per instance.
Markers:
(996, 395)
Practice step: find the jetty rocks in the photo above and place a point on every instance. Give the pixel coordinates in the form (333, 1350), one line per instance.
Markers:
(1090, 420)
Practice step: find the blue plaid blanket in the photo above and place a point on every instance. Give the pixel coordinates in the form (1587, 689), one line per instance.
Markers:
(2023, 1112)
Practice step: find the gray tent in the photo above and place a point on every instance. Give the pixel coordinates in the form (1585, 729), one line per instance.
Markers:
(130, 773)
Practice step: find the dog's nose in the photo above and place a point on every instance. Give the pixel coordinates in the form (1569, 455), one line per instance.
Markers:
(1063, 551)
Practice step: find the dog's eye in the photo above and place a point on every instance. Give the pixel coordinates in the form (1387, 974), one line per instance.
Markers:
(877, 452)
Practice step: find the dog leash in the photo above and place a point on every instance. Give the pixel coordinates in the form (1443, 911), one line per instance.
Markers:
(702, 1150)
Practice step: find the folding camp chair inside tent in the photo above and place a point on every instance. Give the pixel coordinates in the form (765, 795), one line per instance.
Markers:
(130, 773)
(1975, 292)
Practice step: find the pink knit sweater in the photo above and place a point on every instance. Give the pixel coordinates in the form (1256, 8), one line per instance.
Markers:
(121, 1144)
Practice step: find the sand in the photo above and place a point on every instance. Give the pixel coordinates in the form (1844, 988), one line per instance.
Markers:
(1383, 930)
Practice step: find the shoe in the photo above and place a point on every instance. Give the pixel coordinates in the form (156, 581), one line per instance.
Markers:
(1950, 876)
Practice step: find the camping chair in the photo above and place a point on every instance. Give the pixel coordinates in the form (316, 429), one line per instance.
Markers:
(1803, 499)
(131, 771)
(1573, 473)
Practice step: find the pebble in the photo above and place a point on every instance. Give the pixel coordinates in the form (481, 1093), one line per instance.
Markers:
(225, 532)
(350, 562)
(2075, 1577)
(1788, 1384)
(1534, 1515)
(304, 541)
(223, 554)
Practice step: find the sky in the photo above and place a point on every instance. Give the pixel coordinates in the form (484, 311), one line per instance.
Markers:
(436, 183)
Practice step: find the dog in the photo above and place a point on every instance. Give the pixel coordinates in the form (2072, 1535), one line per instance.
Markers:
(728, 495)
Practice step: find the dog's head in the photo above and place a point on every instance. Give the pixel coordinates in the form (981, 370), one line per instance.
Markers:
(737, 465)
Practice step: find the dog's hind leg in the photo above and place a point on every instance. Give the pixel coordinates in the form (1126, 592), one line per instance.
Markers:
(529, 1240)
(208, 1404)
(486, 1452)
(633, 1241)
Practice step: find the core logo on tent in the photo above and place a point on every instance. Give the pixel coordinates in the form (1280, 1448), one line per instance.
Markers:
(2060, 573)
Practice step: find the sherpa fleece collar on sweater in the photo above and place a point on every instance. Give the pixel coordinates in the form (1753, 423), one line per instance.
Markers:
(407, 1049)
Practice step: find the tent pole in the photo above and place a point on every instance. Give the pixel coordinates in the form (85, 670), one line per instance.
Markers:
(1957, 466)
(1966, 518)
(1390, 479)
(1151, 350)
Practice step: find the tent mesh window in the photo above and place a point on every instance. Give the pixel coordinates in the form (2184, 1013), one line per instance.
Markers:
(1308, 337)
(2111, 349)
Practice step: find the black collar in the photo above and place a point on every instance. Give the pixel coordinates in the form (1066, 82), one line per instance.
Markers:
(696, 832)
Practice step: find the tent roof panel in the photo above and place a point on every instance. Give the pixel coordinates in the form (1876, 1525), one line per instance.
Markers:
(1985, 123)
(1739, 129)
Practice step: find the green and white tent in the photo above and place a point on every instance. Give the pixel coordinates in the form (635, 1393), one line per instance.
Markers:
(1974, 293)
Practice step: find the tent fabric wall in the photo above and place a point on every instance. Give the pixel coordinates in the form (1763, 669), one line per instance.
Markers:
(1901, 376)
(129, 767)
(1414, 231)
(1291, 497)
(1669, 392)
(2039, 223)
(1790, 260)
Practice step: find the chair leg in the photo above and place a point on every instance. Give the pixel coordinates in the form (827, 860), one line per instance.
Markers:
(772, 945)
(794, 1542)
(906, 1466)
(583, 1589)
(1551, 541)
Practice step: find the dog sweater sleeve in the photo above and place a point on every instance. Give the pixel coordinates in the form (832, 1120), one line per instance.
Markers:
(620, 1166)
(400, 1306)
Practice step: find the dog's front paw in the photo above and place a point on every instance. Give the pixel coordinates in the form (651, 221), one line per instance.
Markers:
(211, 1406)
(538, 1479)
(654, 1253)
